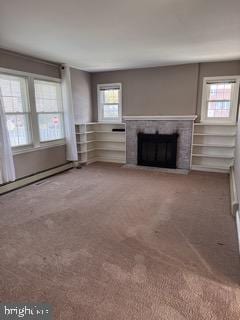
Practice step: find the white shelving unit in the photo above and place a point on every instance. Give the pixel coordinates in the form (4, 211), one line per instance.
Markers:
(213, 147)
(97, 142)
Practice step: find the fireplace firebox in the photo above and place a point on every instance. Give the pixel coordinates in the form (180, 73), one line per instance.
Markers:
(157, 150)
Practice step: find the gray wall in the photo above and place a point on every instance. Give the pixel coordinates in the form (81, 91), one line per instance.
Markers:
(173, 90)
(153, 91)
(81, 92)
(33, 162)
(19, 62)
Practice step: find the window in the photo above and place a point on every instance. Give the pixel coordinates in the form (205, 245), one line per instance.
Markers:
(49, 110)
(16, 107)
(220, 97)
(109, 102)
(33, 108)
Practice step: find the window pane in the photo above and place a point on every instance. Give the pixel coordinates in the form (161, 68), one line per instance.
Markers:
(50, 126)
(46, 105)
(111, 96)
(48, 96)
(220, 91)
(18, 128)
(109, 101)
(12, 104)
(219, 109)
(14, 93)
(110, 111)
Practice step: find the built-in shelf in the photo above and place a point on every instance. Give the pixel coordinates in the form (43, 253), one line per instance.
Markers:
(213, 146)
(105, 146)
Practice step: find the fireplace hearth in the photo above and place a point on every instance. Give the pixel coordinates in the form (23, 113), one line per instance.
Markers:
(157, 150)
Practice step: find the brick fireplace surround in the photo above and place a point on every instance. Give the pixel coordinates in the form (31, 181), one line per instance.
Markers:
(183, 125)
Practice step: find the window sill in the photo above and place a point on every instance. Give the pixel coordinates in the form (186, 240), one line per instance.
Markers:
(44, 146)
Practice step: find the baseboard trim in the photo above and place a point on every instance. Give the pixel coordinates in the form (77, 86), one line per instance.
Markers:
(99, 159)
(195, 167)
(33, 178)
(238, 228)
(233, 193)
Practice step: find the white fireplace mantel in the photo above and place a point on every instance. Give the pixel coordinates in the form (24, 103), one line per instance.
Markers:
(190, 117)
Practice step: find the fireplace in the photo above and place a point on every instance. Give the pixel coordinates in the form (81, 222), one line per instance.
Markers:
(157, 150)
(165, 125)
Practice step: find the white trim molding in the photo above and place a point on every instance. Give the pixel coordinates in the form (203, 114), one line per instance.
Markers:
(33, 178)
(238, 228)
(234, 99)
(34, 143)
(174, 118)
(233, 193)
(109, 86)
(234, 203)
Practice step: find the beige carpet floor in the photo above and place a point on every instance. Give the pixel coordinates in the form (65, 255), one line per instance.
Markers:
(111, 243)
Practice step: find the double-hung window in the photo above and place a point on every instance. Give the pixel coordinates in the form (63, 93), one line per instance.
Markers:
(49, 110)
(220, 99)
(33, 108)
(110, 102)
(17, 109)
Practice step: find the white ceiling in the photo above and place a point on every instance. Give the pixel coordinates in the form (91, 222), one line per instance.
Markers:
(96, 35)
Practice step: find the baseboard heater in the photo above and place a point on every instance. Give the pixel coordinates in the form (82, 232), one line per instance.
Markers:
(33, 178)
(233, 193)
(234, 202)
(238, 228)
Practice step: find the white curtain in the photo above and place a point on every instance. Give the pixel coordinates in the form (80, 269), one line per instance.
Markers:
(68, 114)
(7, 170)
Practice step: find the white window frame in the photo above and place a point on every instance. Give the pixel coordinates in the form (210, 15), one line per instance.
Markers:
(234, 108)
(36, 144)
(100, 107)
(60, 111)
(26, 113)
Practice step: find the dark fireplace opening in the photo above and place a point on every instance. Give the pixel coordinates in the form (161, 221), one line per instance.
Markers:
(157, 150)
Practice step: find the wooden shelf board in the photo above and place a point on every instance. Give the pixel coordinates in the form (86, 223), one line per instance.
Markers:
(86, 151)
(216, 134)
(86, 142)
(113, 141)
(106, 123)
(212, 156)
(213, 145)
(111, 132)
(110, 149)
(86, 132)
